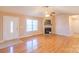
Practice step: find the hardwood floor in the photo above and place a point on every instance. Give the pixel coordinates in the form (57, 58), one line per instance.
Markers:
(44, 44)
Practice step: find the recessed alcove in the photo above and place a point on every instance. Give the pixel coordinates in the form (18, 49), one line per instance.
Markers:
(74, 25)
(47, 25)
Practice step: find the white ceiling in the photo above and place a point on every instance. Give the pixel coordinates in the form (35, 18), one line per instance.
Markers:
(40, 10)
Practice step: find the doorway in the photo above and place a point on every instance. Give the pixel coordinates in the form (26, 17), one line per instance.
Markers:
(10, 27)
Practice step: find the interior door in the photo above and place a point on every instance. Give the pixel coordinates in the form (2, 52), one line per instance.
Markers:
(10, 27)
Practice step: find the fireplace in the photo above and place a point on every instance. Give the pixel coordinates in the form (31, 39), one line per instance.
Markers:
(47, 26)
(48, 30)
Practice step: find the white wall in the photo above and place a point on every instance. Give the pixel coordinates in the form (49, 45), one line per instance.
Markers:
(62, 25)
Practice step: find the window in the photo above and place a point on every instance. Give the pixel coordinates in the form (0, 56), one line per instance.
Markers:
(11, 26)
(35, 25)
(31, 25)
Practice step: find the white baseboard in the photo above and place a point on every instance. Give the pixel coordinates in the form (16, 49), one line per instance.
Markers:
(30, 35)
(63, 34)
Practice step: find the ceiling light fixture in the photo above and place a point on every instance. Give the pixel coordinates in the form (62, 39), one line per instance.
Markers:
(48, 11)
